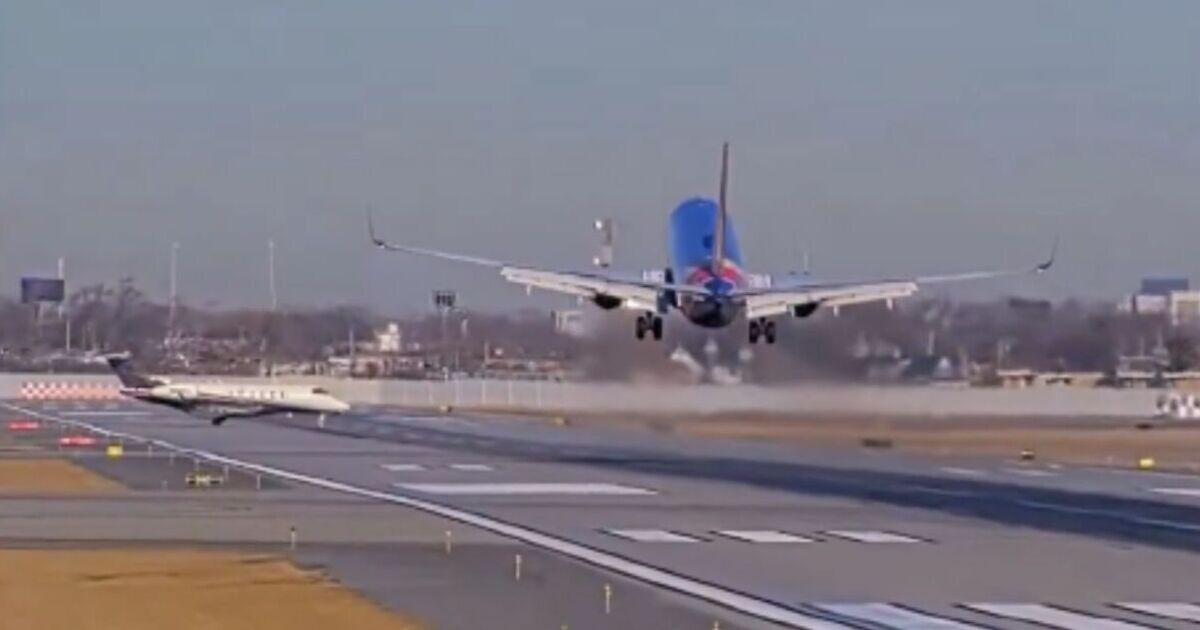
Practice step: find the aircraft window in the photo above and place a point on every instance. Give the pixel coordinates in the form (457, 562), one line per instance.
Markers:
(321, 391)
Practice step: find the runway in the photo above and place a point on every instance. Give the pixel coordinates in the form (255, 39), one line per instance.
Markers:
(807, 538)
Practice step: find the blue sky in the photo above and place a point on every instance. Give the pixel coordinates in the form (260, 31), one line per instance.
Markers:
(884, 137)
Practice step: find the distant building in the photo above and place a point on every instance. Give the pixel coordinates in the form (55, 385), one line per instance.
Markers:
(569, 322)
(1169, 297)
(1164, 286)
(1183, 308)
(389, 340)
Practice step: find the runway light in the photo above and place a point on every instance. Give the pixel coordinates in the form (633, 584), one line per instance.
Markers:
(77, 440)
(1146, 463)
(23, 425)
(1028, 455)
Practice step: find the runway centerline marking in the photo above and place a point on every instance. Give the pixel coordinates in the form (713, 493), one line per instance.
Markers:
(651, 536)
(402, 467)
(963, 472)
(1165, 610)
(733, 600)
(768, 536)
(472, 467)
(1178, 492)
(874, 537)
(1030, 472)
(1053, 617)
(894, 617)
(511, 489)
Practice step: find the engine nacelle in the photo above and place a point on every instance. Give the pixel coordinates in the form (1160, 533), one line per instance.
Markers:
(607, 302)
(805, 310)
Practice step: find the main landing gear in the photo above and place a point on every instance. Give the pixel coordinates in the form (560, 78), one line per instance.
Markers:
(762, 328)
(649, 323)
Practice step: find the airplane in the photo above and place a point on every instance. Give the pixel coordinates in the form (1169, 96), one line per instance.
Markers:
(706, 280)
(219, 402)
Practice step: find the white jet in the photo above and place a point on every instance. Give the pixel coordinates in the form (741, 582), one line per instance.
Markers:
(219, 402)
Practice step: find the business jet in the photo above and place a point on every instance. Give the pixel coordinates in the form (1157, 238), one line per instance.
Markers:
(219, 402)
(706, 280)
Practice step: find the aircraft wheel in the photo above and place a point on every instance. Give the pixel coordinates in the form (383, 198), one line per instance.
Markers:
(640, 328)
(754, 332)
(657, 328)
(769, 332)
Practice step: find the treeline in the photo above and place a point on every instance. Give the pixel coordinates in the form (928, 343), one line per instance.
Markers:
(1010, 333)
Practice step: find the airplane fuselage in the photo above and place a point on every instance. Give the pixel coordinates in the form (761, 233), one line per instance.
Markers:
(691, 236)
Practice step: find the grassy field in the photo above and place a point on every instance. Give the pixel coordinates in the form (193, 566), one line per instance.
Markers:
(182, 590)
(51, 476)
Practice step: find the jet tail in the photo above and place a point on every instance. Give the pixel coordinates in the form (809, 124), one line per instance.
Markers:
(718, 257)
(122, 366)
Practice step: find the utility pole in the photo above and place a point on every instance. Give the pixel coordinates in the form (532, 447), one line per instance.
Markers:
(174, 288)
(271, 275)
(63, 316)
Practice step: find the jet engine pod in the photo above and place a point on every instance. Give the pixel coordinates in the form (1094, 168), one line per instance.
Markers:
(607, 302)
(805, 310)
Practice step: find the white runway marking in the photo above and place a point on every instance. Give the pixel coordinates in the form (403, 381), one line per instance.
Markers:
(874, 537)
(895, 617)
(1181, 612)
(763, 536)
(1053, 617)
(103, 414)
(402, 467)
(733, 600)
(963, 472)
(509, 489)
(472, 467)
(1178, 492)
(652, 536)
(1030, 472)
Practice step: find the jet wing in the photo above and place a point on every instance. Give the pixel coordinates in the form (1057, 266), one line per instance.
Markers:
(806, 294)
(634, 293)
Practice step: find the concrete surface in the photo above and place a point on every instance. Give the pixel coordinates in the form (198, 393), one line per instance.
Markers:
(973, 530)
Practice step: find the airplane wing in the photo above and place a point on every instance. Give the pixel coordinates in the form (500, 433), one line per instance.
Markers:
(807, 295)
(633, 293)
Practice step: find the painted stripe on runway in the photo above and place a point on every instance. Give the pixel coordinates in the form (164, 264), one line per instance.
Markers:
(768, 536)
(402, 467)
(894, 617)
(1180, 612)
(963, 472)
(106, 414)
(1030, 472)
(472, 467)
(733, 600)
(582, 489)
(1178, 492)
(874, 537)
(1053, 617)
(651, 535)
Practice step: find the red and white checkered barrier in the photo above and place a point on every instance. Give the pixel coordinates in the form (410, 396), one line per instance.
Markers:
(69, 391)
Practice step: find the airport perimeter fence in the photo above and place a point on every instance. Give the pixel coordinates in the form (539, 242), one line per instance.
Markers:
(552, 396)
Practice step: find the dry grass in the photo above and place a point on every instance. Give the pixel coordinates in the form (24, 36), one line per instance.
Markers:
(51, 476)
(181, 590)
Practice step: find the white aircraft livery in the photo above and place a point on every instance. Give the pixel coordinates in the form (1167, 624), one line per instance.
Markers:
(219, 402)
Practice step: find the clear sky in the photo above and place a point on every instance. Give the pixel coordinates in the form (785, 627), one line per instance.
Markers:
(885, 137)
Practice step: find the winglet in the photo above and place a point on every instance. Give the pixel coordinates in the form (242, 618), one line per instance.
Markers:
(375, 240)
(1044, 267)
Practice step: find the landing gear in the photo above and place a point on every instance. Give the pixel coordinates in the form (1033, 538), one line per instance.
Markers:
(649, 323)
(764, 329)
